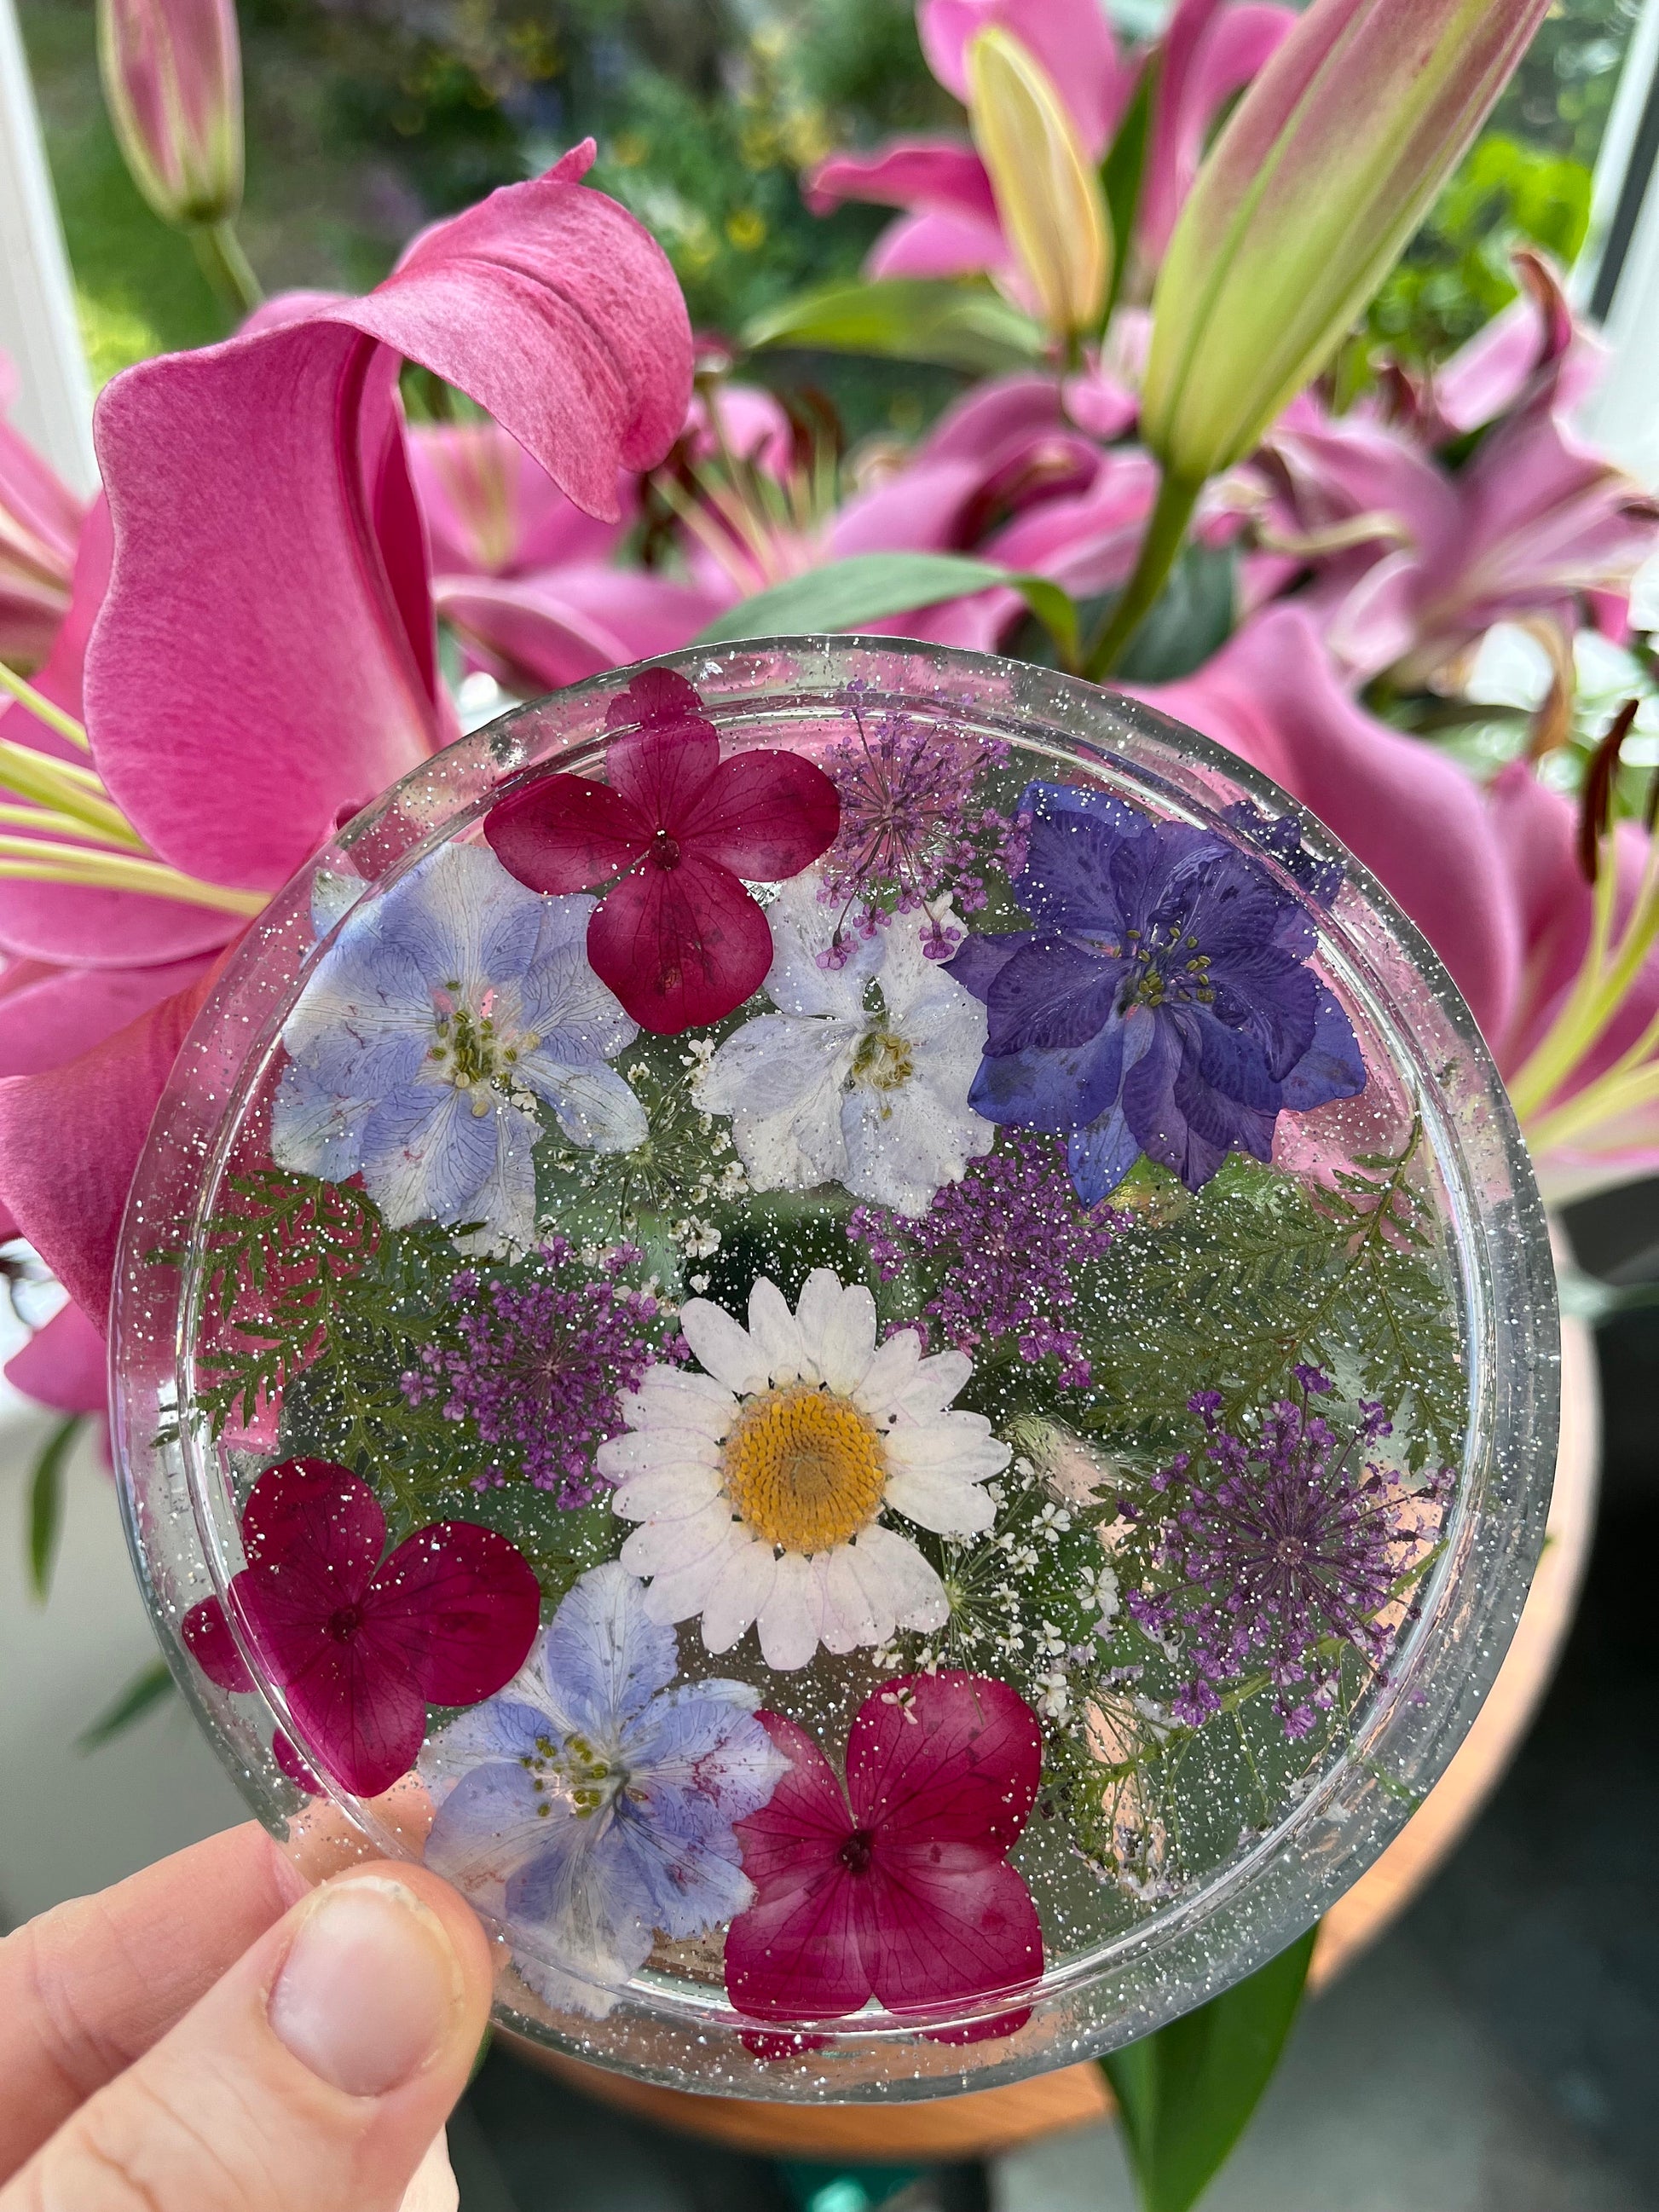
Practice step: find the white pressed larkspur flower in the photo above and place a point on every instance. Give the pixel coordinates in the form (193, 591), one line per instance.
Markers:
(861, 1075)
(760, 1484)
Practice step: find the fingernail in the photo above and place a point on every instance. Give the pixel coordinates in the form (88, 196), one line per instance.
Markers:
(370, 1987)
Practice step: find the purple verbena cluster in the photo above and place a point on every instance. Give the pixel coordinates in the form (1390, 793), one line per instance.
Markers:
(1012, 1234)
(910, 828)
(1297, 1548)
(540, 1362)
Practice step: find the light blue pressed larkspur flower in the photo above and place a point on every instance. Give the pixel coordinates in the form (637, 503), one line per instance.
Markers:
(420, 1047)
(589, 1807)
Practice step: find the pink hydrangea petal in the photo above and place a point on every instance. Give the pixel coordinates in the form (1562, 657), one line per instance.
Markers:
(662, 765)
(945, 1758)
(50, 1015)
(795, 1955)
(64, 1366)
(765, 815)
(566, 833)
(291, 1763)
(312, 1509)
(679, 947)
(362, 1715)
(69, 1142)
(459, 1606)
(947, 1923)
(208, 1639)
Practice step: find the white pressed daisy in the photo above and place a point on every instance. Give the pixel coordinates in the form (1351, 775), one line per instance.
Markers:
(861, 1076)
(759, 1485)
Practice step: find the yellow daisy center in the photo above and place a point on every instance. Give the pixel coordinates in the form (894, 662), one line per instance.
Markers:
(804, 1468)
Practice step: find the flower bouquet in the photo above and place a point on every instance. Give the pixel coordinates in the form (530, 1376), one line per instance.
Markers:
(856, 1327)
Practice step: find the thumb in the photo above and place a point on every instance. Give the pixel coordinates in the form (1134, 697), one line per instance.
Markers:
(312, 2078)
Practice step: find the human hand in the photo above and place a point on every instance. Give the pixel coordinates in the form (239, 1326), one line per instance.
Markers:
(197, 2040)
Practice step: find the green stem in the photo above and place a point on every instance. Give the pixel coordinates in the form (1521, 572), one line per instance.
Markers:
(1158, 548)
(226, 267)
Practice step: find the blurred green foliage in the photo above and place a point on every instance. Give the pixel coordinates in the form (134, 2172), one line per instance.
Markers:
(368, 116)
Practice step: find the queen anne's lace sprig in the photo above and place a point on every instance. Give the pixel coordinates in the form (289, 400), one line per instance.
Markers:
(1297, 1551)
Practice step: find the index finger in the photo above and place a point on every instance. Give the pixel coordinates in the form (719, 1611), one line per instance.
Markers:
(87, 1988)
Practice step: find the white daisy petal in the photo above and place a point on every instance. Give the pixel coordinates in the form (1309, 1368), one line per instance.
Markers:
(667, 1546)
(743, 1588)
(776, 1332)
(837, 1328)
(909, 1584)
(665, 1493)
(936, 1381)
(891, 1373)
(655, 1447)
(679, 1594)
(939, 1499)
(790, 1619)
(674, 1398)
(961, 1443)
(725, 1348)
(857, 1607)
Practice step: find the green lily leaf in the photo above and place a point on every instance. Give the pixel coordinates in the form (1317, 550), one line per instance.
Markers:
(965, 326)
(147, 1688)
(865, 586)
(1187, 2092)
(47, 1502)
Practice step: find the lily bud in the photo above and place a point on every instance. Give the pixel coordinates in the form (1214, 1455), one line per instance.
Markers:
(172, 82)
(1302, 204)
(1047, 190)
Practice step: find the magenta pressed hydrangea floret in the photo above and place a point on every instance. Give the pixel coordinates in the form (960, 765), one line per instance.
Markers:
(540, 1362)
(1012, 1234)
(1296, 1551)
(910, 829)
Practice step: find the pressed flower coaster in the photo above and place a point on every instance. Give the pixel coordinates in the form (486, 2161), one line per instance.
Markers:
(860, 1334)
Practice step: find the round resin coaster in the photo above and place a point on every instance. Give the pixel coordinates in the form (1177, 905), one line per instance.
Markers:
(863, 1336)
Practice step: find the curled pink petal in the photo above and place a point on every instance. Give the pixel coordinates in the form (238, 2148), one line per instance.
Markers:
(937, 175)
(64, 1366)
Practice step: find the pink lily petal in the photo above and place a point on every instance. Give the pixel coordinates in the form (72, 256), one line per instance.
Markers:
(1535, 339)
(941, 245)
(1071, 39)
(550, 306)
(948, 1757)
(946, 1923)
(538, 632)
(70, 1141)
(745, 422)
(1209, 51)
(39, 527)
(765, 815)
(64, 1366)
(207, 1637)
(919, 510)
(934, 176)
(679, 947)
(51, 1015)
(1413, 818)
(491, 511)
(1088, 543)
(459, 1606)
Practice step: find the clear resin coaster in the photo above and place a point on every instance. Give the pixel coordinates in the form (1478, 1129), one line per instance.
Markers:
(865, 1338)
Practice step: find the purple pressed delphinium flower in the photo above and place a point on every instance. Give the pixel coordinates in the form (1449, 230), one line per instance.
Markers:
(1011, 1232)
(910, 830)
(541, 1360)
(1162, 1003)
(1296, 1549)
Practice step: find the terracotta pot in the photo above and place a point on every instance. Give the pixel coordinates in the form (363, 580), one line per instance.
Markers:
(988, 2120)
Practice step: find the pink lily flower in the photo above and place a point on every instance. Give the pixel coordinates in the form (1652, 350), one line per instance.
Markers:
(40, 529)
(269, 581)
(950, 227)
(1411, 562)
(525, 578)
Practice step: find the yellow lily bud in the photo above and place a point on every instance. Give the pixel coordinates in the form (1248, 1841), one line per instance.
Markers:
(1047, 190)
